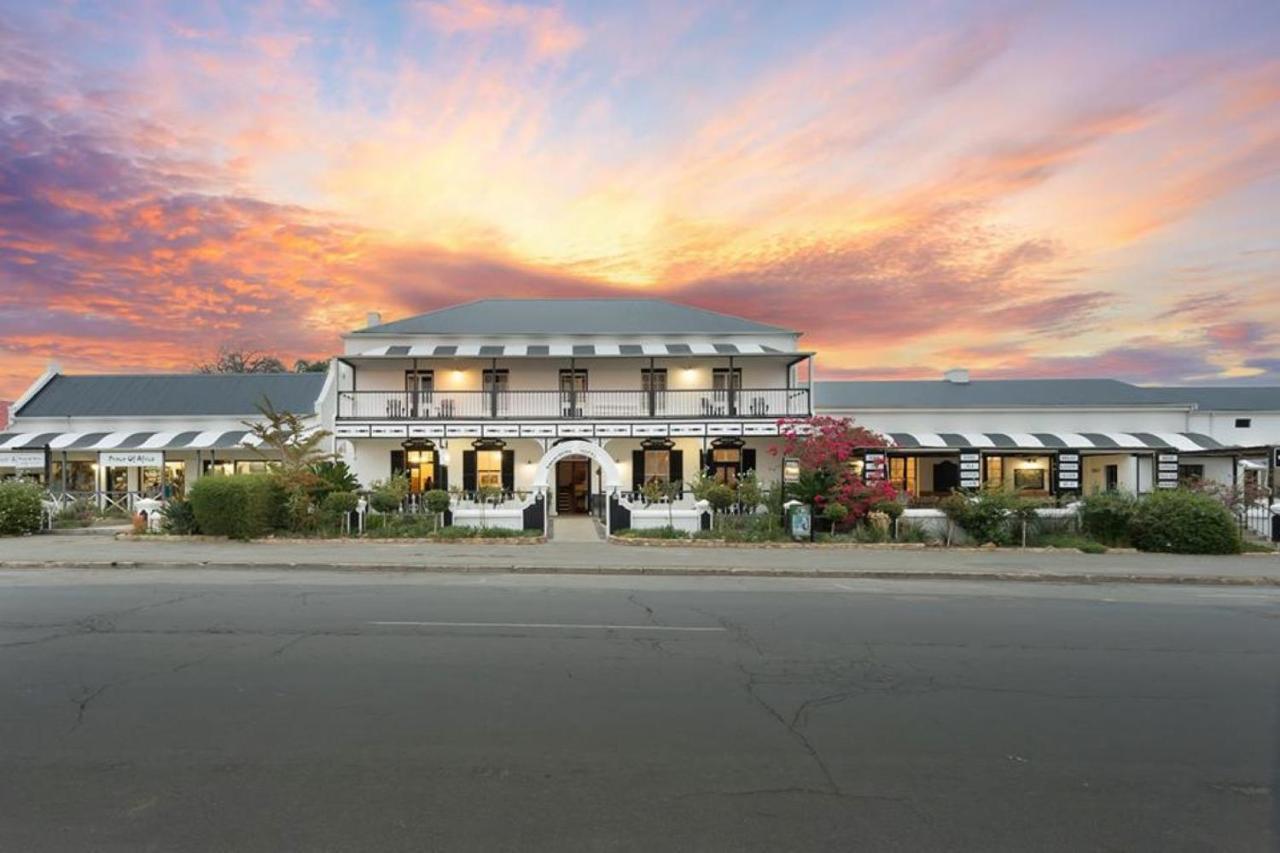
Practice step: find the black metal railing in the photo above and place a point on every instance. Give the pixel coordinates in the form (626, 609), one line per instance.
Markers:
(557, 405)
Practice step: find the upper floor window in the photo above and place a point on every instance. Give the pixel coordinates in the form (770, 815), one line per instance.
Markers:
(419, 381)
(573, 380)
(722, 377)
(498, 379)
(1244, 423)
(653, 378)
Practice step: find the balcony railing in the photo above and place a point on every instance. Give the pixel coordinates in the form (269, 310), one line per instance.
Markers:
(558, 405)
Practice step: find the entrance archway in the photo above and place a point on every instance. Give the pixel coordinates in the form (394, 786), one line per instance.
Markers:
(609, 477)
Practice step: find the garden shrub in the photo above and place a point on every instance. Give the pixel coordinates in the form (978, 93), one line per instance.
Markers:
(985, 517)
(180, 518)
(332, 476)
(1179, 521)
(20, 508)
(652, 533)
(1106, 517)
(389, 495)
(335, 505)
(241, 506)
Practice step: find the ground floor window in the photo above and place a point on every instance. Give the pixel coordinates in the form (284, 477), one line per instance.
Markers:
(118, 479)
(238, 466)
(1190, 473)
(489, 469)
(81, 476)
(904, 473)
(657, 466)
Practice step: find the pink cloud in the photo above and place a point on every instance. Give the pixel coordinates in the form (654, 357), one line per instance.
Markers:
(548, 32)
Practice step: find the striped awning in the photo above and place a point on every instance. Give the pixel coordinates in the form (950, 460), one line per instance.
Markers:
(568, 350)
(1186, 442)
(94, 441)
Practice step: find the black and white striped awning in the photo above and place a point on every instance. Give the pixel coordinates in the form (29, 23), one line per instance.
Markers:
(95, 441)
(569, 350)
(1186, 442)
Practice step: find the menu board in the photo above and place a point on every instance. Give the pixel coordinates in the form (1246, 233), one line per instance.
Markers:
(874, 466)
(1068, 471)
(1166, 470)
(970, 469)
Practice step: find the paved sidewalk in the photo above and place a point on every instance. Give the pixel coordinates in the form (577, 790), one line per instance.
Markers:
(606, 558)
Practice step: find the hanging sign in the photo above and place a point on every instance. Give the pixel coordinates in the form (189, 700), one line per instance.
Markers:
(790, 470)
(873, 467)
(1166, 471)
(22, 459)
(1068, 471)
(131, 458)
(970, 470)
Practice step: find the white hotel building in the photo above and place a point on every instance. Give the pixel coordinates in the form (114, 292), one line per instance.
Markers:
(577, 400)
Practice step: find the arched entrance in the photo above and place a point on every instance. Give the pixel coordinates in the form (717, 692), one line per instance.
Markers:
(571, 463)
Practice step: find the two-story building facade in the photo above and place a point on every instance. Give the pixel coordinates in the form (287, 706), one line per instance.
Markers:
(486, 396)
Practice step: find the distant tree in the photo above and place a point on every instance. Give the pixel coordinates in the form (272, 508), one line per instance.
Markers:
(232, 359)
(320, 365)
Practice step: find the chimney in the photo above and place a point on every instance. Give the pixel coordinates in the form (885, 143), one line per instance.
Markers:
(957, 376)
(373, 318)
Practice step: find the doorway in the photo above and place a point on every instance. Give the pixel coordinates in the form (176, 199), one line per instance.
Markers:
(573, 486)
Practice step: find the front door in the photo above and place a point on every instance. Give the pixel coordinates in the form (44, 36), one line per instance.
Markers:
(573, 486)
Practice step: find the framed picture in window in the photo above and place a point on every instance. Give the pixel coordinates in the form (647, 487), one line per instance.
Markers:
(1028, 478)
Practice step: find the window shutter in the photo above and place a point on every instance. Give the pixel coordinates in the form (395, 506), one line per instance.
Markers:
(637, 470)
(676, 472)
(397, 463)
(468, 470)
(442, 474)
(508, 470)
(748, 459)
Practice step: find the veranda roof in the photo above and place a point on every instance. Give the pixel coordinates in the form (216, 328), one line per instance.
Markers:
(1173, 441)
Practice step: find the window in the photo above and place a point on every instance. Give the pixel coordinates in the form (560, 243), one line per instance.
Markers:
(488, 469)
(903, 471)
(420, 383)
(573, 381)
(657, 466)
(726, 462)
(118, 480)
(994, 472)
(653, 379)
(1244, 423)
(720, 378)
(1190, 473)
(497, 379)
(80, 476)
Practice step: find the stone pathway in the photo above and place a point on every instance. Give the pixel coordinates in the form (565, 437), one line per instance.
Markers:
(575, 528)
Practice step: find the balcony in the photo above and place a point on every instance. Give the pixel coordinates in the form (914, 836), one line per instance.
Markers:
(770, 403)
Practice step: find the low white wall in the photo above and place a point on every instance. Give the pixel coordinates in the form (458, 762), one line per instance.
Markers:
(494, 516)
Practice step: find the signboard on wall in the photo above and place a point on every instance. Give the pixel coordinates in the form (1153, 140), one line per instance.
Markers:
(790, 470)
(22, 460)
(131, 458)
(874, 464)
(970, 469)
(1166, 470)
(1068, 471)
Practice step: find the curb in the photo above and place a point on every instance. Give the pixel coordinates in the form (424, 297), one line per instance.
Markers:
(520, 569)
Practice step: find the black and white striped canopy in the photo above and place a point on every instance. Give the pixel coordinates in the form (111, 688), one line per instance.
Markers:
(187, 440)
(1174, 441)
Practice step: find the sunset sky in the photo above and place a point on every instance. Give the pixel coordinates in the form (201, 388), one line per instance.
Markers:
(1058, 189)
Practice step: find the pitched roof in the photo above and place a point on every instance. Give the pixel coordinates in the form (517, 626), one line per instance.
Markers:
(218, 394)
(1223, 398)
(1002, 393)
(572, 317)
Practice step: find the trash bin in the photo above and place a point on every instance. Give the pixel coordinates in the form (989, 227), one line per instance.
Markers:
(799, 521)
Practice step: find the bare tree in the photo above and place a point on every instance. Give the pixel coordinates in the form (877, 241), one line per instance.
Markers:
(233, 359)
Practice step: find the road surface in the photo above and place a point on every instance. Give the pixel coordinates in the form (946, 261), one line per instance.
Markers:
(191, 710)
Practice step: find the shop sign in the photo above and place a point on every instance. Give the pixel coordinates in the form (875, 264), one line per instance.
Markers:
(22, 460)
(790, 470)
(131, 458)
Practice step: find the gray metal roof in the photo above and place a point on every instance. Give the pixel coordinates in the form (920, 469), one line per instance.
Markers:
(1219, 398)
(980, 394)
(219, 394)
(572, 317)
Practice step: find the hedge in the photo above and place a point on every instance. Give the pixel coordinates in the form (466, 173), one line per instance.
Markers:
(20, 508)
(240, 506)
(1179, 521)
(1107, 516)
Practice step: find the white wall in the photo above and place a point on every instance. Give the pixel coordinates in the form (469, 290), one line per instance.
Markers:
(1264, 429)
(1017, 420)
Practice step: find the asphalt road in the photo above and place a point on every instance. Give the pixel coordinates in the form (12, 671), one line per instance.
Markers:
(228, 710)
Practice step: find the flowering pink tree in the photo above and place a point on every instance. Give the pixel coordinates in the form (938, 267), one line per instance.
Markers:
(825, 448)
